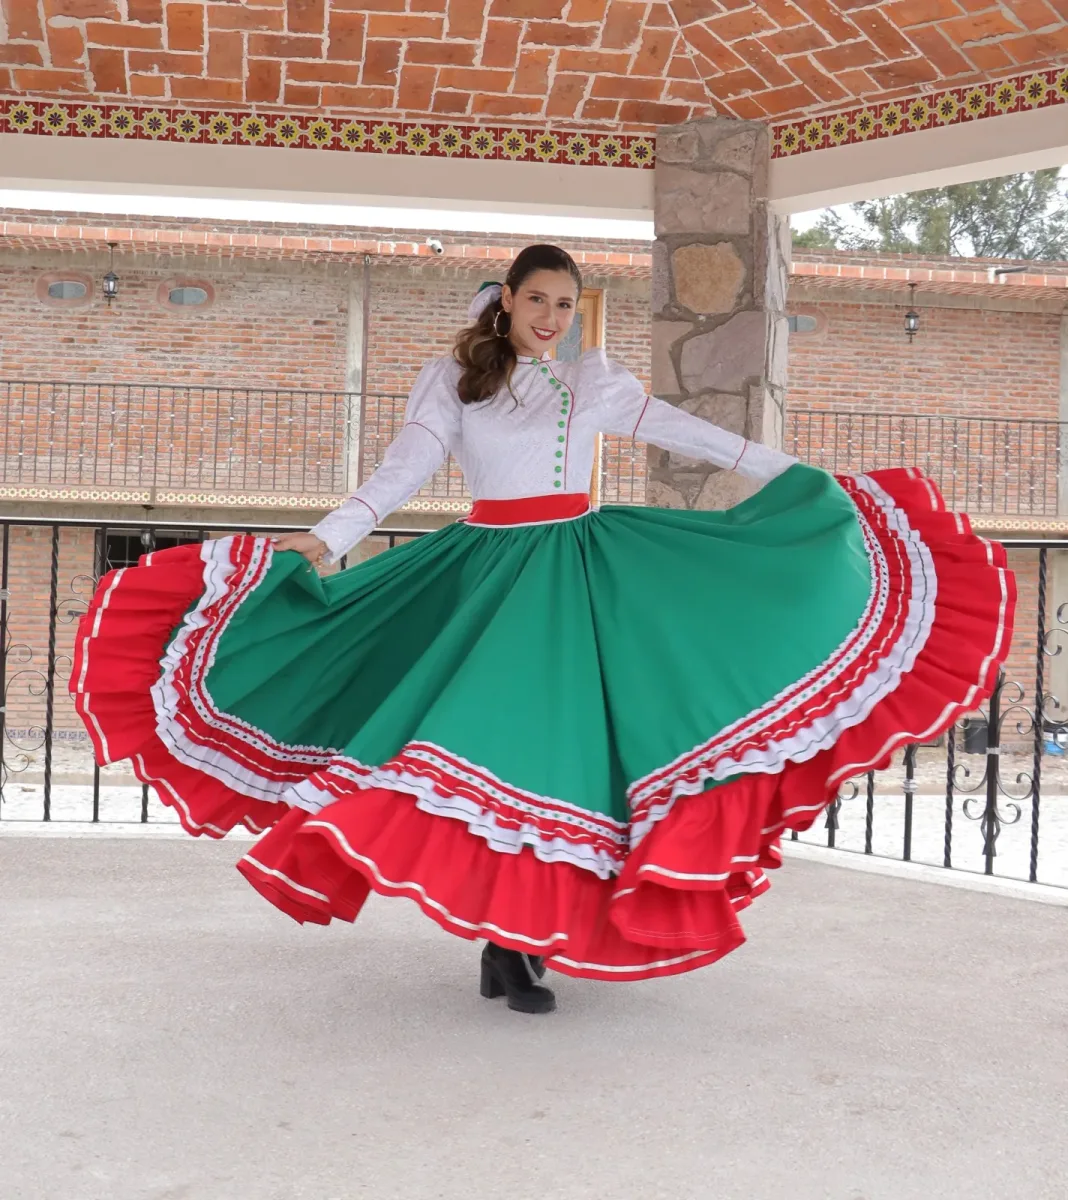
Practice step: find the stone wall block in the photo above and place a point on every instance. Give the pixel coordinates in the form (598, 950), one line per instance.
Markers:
(659, 494)
(726, 358)
(678, 489)
(666, 337)
(691, 201)
(721, 408)
(770, 267)
(765, 415)
(683, 462)
(785, 252)
(724, 489)
(778, 351)
(708, 278)
(662, 292)
(761, 160)
(774, 414)
(779, 250)
(679, 144)
(731, 148)
(720, 264)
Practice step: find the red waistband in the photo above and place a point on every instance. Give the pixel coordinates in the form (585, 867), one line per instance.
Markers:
(530, 510)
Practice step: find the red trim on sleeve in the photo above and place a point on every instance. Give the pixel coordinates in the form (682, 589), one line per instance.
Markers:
(639, 421)
(361, 500)
(745, 447)
(431, 432)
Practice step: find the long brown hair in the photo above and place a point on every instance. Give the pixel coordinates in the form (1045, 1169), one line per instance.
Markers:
(488, 358)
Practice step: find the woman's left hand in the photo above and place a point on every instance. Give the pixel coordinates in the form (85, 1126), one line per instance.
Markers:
(313, 548)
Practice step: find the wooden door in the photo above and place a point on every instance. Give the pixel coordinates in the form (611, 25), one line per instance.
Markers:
(587, 333)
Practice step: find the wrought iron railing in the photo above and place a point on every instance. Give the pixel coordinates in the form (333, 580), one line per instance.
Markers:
(155, 443)
(48, 571)
(192, 441)
(991, 797)
(184, 444)
(1002, 771)
(983, 465)
(179, 438)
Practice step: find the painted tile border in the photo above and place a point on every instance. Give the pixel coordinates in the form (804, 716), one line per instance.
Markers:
(62, 118)
(955, 106)
(279, 500)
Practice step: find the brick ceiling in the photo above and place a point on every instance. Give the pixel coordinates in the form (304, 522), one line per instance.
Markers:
(596, 63)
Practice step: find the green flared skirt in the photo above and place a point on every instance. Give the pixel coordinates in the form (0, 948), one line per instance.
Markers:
(580, 737)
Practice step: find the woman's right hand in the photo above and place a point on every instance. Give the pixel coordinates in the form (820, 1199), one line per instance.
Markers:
(313, 548)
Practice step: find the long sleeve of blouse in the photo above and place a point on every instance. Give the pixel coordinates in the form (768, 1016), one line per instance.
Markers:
(529, 441)
(629, 411)
(429, 433)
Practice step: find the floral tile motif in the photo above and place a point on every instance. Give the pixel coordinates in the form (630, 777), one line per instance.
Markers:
(52, 118)
(955, 106)
(313, 131)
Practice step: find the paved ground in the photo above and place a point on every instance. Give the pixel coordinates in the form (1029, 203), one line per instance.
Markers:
(24, 805)
(165, 1035)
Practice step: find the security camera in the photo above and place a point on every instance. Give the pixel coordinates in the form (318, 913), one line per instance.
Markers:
(435, 246)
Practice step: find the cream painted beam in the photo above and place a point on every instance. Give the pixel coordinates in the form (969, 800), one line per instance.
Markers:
(103, 166)
(909, 162)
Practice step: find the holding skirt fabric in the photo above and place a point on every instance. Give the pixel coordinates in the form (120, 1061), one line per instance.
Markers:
(576, 733)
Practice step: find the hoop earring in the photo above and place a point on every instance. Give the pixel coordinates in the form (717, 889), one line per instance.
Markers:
(496, 332)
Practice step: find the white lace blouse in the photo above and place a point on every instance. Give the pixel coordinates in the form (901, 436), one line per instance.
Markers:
(538, 443)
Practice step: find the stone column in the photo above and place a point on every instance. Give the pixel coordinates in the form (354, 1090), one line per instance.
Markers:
(720, 264)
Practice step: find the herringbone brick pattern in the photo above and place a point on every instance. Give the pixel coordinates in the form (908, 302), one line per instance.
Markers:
(630, 64)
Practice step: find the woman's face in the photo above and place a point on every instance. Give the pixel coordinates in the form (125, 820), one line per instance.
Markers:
(542, 309)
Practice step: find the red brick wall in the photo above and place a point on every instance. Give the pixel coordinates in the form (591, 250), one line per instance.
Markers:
(268, 327)
(628, 339)
(973, 400)
(29, 580)
(284, 324)
(1020, 666)
(963, 362)
(415, 313)
(280, 325)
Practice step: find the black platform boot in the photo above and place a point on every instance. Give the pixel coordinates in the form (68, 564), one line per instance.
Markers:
(510, 973)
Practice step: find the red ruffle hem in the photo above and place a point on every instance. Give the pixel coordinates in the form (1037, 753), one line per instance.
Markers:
(675, 904)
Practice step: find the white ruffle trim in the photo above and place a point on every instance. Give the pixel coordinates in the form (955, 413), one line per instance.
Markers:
(818, 735)
(822, 732)
(480, 821)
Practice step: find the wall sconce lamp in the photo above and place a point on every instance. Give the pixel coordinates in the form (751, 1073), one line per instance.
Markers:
(912, 317)
(111, 280)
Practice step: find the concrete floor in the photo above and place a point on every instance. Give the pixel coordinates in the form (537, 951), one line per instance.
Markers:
(165, 1035)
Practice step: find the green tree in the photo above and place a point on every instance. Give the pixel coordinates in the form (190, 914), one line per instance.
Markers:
(1018, 216)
